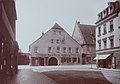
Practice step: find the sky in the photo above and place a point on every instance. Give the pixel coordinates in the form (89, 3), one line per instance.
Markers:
(37, 16)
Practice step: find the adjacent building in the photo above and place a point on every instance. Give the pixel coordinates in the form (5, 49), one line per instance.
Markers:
(108, 36)
(85, 36)
(8, 44)
(23, 58)
(55, 47)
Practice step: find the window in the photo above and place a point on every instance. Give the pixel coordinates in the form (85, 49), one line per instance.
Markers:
(111, 43)
(104, 29)
(35, 49)
(69, 50)
(59, 32)
(49, 49)
(63, 41)
(99, 44)
(111, 26)
(58, 41)
(99, 31)
(111, 8)
(52, 41)
(105, 43)
(58, 49)
(77, 50)
(111, 38)
(64, 49)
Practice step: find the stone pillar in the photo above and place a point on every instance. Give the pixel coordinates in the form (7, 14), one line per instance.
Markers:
(76, 59)
(0, 53)
(44, 61)
(71, 59)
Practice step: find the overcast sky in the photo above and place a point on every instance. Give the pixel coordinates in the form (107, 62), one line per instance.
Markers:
(35, 16)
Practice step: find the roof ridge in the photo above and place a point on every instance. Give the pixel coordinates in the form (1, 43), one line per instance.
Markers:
(57, 26)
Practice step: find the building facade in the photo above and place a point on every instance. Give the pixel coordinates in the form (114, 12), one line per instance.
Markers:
(8, 44)
(108, 36)
(85, 36)
(23, 58)
(55, 47)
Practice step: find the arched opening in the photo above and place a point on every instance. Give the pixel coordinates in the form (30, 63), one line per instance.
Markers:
(52, 61)
(83, 58)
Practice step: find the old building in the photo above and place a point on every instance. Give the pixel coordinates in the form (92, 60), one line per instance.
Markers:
(108, 36)
(55, 47)
(85, 36)
(8, 44)
(23, 58)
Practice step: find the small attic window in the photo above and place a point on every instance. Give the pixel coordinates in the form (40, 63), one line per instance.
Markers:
(54, 32)
(59, 32)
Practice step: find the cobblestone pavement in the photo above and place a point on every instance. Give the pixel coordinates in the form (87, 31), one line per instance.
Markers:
(30, 77)
(34, 75)
(77, 77)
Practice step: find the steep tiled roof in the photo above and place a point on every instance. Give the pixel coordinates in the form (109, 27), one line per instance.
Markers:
(56, 26)
(88, 32)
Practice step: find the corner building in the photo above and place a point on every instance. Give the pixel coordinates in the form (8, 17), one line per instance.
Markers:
(55, 47)
(108, 36)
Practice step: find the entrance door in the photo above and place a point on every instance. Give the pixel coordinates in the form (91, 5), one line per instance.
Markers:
(52, 61)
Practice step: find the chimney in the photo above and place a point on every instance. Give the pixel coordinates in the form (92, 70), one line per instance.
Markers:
(78, 22)
(42, 33)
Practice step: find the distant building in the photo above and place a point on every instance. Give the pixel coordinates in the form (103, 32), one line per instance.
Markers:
(23, 58)
(108, 36)
(8, 44)
(55, 47)
(85, 36)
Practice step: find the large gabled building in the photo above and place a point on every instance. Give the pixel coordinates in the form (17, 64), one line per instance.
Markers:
(108, 36)
(55, 47)
(85, 36)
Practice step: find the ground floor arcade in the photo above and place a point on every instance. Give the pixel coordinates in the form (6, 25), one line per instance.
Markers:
(55, 60)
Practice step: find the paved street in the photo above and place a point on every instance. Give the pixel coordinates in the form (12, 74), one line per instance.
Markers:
(47, 75)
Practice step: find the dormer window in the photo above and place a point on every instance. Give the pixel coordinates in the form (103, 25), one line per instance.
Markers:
(99, 18)
(111, 8)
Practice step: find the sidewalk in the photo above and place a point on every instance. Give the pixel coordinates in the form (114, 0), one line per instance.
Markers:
(29, 77)
(112, 75)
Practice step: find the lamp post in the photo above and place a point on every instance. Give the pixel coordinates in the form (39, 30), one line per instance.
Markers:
(93, 39)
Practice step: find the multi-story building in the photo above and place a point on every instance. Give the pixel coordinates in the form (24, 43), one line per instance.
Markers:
(108, 36)
(55, 47)
(8, 44)
(85, 36)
